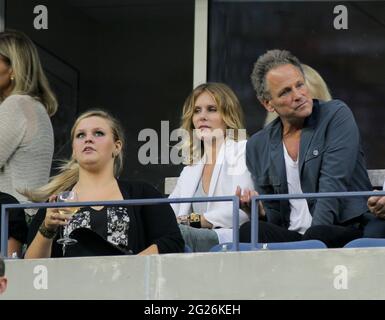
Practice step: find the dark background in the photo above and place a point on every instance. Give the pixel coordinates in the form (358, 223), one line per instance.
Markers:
(135, 59)
(351, 61)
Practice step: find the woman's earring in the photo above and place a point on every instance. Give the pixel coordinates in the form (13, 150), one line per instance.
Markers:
(12, 78)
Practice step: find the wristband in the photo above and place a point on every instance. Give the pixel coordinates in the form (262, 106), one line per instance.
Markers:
(47, 233)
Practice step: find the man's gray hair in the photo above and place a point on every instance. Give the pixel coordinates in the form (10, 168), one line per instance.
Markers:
(270, 60)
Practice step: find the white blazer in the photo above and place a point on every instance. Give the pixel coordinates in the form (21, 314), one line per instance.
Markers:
(229, 172)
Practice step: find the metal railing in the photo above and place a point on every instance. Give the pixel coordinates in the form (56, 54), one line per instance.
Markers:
(255, 210)
(234, 199)
(132, 202)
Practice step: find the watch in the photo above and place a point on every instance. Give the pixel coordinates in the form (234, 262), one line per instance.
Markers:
(195, 220)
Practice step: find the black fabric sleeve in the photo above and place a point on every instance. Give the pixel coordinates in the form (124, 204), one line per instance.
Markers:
(35, 224)
(17, 224)
(34, 229)
(160, 224)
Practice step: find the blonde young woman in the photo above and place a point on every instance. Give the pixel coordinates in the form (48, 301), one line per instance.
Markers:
(213, 118)
(26, 135)
(97, 160)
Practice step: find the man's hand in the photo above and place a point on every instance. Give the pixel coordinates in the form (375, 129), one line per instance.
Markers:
(245, 200)
(377, 206)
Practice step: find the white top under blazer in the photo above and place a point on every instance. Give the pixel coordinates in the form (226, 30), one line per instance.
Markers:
(229, 172)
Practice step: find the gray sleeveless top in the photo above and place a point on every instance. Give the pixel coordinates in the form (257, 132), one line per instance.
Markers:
(199, 207)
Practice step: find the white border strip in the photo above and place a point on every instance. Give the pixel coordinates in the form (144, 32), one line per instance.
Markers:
(200, 42)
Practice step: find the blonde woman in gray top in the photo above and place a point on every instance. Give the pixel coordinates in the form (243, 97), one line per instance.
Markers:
(27, 102)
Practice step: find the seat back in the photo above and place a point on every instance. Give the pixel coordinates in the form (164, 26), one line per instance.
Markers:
(377, 177)
(169, 184)
(293, 245)
(187, 249)
(366, 243)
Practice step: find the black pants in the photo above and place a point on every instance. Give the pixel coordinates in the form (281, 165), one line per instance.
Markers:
(373, 226)
(333, 236)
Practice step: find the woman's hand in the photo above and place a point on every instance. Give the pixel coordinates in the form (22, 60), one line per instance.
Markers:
(205, 223)
(53, 218)
(183, 219)
(245, 200)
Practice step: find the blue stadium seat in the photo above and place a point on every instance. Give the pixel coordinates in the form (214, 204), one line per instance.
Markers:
(187, 249)
(293, 245)
(366, 243)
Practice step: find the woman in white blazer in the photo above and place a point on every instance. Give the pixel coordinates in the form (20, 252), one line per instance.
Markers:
(215, 152)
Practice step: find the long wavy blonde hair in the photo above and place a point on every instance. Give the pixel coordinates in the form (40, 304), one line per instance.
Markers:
(69, 170)
(229, 107)
(19, 52)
